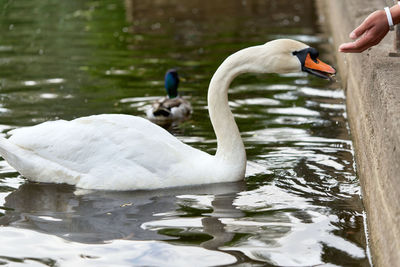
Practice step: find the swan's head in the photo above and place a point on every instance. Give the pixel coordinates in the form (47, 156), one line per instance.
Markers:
(172, 83)
(288, 56)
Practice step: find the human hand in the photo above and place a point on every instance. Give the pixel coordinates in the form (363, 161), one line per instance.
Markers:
(369, 33)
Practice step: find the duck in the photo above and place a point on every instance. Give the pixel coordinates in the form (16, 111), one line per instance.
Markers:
(125, 152)
(173, 106)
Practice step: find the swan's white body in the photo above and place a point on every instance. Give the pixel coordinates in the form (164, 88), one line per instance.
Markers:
(121, 152)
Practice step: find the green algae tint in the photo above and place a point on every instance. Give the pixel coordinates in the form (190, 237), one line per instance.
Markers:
(300, 204)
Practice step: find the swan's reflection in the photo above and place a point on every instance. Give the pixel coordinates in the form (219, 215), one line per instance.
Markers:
(100, 216)
(264, 224)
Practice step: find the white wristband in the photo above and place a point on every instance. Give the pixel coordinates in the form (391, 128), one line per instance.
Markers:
(389, 18)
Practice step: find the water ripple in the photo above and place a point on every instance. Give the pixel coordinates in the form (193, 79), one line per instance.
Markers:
(143, 253)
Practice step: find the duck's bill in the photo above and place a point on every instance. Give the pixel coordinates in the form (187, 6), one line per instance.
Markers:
(319, 68)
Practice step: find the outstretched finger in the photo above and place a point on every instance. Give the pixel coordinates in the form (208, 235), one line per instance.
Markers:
(360, 45)
(351, 48)
(367, 24)
(347, 47)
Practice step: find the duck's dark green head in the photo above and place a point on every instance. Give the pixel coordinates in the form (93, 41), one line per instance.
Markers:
(172, 83)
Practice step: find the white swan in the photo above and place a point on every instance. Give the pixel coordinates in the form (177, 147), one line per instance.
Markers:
(171, 107)
(122, 152)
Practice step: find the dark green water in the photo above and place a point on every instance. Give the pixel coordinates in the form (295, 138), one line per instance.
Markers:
(300, 204)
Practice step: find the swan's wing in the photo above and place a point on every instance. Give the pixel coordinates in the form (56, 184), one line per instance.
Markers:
(97, 148)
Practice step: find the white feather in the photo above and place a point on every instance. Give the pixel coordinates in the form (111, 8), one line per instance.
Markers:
(118, 152)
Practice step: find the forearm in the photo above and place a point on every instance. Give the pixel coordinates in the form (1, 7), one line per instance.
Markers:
(395, 11)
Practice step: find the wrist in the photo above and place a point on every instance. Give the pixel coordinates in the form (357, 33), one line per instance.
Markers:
(395, 12)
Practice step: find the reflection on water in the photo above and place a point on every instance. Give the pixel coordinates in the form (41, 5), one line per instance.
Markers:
(300, 204)
(98, 216)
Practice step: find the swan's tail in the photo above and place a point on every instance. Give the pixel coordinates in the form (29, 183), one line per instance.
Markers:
(31, 165)
(16, 156)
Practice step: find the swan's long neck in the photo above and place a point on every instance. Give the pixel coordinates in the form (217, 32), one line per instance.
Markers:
(230, 145)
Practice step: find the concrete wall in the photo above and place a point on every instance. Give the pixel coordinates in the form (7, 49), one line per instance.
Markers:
(372, 84)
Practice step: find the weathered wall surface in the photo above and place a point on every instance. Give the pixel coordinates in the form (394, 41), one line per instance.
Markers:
(372, 84)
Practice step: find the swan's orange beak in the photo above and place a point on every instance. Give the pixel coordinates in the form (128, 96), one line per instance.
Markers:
(319, 68)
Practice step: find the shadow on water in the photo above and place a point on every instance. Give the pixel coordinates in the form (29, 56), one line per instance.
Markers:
(100, 216)
(97, 217)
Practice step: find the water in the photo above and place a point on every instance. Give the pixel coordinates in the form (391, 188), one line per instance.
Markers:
(300, 204)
